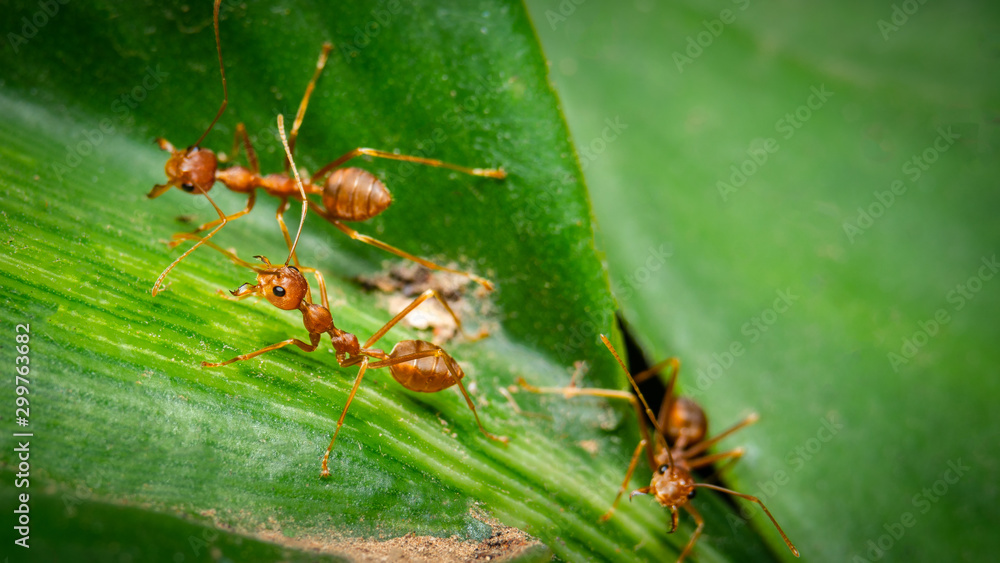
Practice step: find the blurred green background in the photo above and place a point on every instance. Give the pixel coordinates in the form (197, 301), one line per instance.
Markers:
(864, 320)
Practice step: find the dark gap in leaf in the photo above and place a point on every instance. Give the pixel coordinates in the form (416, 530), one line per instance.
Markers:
(654, 389)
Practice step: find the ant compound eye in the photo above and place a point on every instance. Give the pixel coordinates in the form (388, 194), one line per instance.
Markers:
(293, 268)
(279, 291)
(664, 468)
(692, 494)
(187, 187)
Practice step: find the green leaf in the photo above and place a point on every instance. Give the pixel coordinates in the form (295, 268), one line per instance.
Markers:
(122, 414)
(879, 341)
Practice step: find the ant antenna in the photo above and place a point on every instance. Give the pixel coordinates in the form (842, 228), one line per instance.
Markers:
(752, 498)
(222, 71)
(201, 241)
(298, 182)
(649, 411)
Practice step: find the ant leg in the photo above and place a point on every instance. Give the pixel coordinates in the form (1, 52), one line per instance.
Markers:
(301, 113)
(580, 368)
(228, 254)
(517, 408)
(241, 135)
(731, 458)
(425, 263)
(282, 207)
(668, 397)
(697, 531)
(280, 216)
(705, 444)
(569, 392)
(643, 444)
(573, 391)
(295, 259)
(222, 219)
(241, 262)
(644, 375)
(485, 172)
(324, 467)
(450, 362)
(766, 511)
(306, 347)
(165, 145)
(321, 282)
(251, 200)
(710, 459)
(472, 407)
(427, 294)
(673, 519)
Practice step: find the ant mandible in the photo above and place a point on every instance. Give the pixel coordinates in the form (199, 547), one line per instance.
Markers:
(677, 449)
(417, 365)
(348, 194)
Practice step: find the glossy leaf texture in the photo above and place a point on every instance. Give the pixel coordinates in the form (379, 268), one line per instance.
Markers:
(799, 201)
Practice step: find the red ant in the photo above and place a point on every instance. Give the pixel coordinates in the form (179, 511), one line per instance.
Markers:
(677, 450)
(348, 194)
(417, 365)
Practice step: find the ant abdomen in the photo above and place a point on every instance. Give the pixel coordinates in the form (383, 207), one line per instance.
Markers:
(429, 374)
(354, 194)
(687, 422)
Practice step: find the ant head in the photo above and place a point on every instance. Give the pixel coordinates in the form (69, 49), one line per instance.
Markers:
(686, 423)
(283, 286)
(672, 485)
(191, 170)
